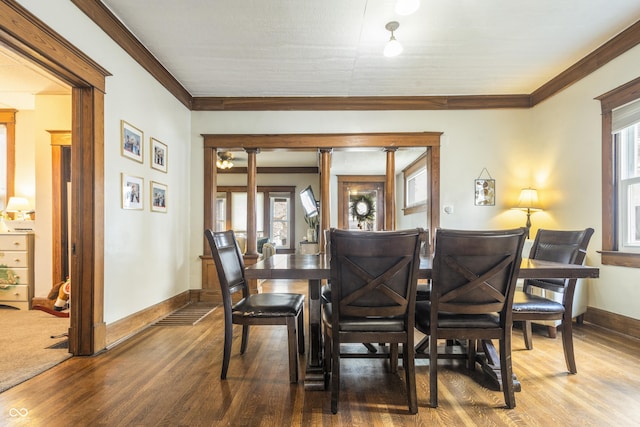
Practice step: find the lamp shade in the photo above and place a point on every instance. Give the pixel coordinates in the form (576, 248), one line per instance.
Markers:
(18, 204)
(528, 199)
(393, 48)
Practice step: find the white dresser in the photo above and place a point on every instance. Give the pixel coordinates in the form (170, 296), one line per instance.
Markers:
(16, 269)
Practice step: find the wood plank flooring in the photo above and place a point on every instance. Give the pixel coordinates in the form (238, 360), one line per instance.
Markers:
(170, 376)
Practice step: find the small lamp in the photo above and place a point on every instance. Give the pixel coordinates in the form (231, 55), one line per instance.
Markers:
(393, 47)
(528, 202)
(20, 205)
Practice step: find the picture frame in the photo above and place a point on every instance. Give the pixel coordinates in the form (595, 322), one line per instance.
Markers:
(159, 155)
(131, 142)
(158, 197)
(132, 192)
(485, 192)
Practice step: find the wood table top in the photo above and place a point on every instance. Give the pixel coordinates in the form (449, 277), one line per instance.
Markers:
(298, 266)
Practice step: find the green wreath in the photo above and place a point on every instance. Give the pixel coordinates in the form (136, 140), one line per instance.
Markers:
(363, 208)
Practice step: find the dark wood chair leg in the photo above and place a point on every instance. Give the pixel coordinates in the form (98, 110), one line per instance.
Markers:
(567, 344)
(228, 337)
(393, 357)
(409, 364)
(471, 354)
(433, 372)
(245, 338)
(526, 331)
(335, 379)
(293, 353)
(506, 371)
(301, 332)
(552, 331)
(580, 319)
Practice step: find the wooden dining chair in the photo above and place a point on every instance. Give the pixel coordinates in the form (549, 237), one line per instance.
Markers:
(373, 290)
(253, 309)
(472, 286)
(565, 246)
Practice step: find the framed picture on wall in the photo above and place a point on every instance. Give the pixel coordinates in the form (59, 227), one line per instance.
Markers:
(485, 192)
(158, 197)
(132, 192)
(131, 141)
(159, 155)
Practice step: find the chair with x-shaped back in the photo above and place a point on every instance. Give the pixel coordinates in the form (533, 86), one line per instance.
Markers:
(473, 280)
(373, 290)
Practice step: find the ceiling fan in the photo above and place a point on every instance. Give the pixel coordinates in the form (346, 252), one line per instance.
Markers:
(225, 160)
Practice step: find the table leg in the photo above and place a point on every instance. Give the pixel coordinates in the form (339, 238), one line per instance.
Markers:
(489, 360)
(314, 375)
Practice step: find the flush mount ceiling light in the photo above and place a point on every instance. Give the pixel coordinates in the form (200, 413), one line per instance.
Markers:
(393, 47)
(225, 160)
(407, 7)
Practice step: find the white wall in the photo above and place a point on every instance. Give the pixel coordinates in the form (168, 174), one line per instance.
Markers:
(146, 254)
(567, 137)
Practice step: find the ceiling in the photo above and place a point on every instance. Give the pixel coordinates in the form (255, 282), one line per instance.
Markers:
(255, 48)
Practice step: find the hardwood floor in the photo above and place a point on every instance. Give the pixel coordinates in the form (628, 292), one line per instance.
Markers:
(170, 376)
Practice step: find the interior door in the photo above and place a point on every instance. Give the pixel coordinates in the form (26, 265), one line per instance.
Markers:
(361, 202)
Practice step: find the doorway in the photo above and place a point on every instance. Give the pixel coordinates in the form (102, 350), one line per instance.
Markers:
(361, 202)
(30, 38)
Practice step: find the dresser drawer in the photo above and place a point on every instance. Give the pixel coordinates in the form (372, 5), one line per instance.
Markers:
(14, 242)
(9, 276)
(14, 293)
(14, 258)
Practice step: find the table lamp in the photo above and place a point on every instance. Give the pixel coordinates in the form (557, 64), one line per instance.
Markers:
(19, 205)
(528, 202)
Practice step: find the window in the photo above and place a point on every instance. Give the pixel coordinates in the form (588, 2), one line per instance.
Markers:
(274, 213)
(621, 175)
(280, 205)
(416, 184)
(627, 145)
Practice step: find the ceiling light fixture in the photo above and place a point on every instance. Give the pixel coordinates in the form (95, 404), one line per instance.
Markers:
(393, 47)
(407, 7)
(225, 160)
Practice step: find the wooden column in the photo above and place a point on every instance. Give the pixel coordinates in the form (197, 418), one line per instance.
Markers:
(390, 190)
(325, 194)
(252, 193)
(210, 283)
(210, 191)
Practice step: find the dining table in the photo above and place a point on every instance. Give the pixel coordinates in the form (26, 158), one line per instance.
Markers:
(316, 268)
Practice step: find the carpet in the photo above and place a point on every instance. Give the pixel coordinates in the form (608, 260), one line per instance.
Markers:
(26, 346)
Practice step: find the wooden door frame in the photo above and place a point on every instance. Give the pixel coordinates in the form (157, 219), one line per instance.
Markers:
(60, 176)
(26, 35)
(347, 183)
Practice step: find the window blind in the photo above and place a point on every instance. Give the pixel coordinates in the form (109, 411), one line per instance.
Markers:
(625, 116)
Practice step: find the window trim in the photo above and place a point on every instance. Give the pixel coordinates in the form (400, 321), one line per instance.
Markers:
(421, 162)
(610, 255)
